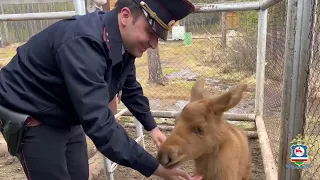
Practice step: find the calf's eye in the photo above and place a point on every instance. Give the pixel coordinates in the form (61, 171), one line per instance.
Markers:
(199, 131)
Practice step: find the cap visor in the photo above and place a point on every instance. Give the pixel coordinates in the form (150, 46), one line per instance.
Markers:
(156, 27)
(159, 30)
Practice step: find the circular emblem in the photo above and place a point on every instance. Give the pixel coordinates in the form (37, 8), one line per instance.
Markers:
(299, 151)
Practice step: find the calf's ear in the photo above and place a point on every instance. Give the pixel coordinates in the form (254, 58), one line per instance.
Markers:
(228, 99)
(197, 90)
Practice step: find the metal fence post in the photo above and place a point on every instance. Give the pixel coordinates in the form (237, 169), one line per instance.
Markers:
(139, 130)
(108, 168)
(261, 61)
(267, 156)
(79, 6)
(297, 57)
(287, 84)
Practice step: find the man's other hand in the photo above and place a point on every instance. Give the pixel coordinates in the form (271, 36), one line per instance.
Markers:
(158, 137)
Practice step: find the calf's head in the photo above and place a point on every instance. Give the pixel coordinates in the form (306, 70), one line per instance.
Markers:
(199, 127)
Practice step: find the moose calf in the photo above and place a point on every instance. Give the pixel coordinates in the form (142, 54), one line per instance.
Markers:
(201, 133)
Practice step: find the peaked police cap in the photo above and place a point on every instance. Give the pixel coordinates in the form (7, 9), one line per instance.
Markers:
(162, 14)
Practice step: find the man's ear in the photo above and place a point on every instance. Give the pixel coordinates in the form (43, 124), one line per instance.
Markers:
(227, 100)
(125, 15)
(197, 90)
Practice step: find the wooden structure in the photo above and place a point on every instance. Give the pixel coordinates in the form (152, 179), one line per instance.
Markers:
(112, 3)
(233, 20)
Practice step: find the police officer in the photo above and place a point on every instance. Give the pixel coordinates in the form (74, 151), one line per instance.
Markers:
(65, 76)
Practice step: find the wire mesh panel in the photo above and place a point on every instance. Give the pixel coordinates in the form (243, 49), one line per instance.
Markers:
(312, 115)
(12, 35)
(301, 100)
(219, 46)
(276, 35)
(15, 33)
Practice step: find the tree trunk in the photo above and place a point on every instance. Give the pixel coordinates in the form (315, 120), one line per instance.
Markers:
(154, 66)
(223, 25)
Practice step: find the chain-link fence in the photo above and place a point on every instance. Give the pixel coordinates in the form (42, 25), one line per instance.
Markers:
(274, 83)
(312, 111)
(219, 46)
(15, 33)
(286, 67)
(276, 34)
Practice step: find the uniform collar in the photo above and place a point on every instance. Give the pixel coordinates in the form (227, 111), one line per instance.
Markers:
(114, 36)
(123, 50)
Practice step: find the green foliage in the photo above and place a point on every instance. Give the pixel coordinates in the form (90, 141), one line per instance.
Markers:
(169, 70)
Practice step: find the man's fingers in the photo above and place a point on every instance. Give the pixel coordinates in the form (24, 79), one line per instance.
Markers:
(196, 177)
(182, 174)
(158, 143)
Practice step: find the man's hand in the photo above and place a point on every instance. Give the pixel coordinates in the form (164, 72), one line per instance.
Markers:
(158, 137)
(196, 177)
(174, 174)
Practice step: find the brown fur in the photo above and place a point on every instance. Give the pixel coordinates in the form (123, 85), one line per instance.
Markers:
(220, 150)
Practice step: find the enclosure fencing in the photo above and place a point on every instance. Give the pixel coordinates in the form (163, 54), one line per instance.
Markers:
(272, 45)
(300, 113)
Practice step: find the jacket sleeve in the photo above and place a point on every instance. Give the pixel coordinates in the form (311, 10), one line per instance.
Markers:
(136, 102)
(82, 64)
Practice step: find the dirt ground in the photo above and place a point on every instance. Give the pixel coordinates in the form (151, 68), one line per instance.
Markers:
(10, 168)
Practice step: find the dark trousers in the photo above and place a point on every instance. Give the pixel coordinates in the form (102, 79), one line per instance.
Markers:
(55, 154)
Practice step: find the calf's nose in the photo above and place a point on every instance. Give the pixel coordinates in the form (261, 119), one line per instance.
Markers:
(167, 155)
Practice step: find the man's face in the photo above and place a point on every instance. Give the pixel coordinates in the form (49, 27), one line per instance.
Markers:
(137, 36)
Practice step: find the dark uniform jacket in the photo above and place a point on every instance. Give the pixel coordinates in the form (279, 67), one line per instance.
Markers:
(66, 75)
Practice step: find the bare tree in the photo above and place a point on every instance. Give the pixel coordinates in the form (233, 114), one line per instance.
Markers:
(154, 66)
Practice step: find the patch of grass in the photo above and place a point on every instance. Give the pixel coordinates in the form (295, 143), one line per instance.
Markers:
(186, 56)
(169, 70)
(250, 81)
(126, 119)
(247, 126)
(142, 61)
(176, 89)
(174, 56)
(131, 119)
(181, 84)
(7, 53)
(204, 57)
(218, 73)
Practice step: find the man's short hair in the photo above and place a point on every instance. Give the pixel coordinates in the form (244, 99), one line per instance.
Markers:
(135, 9)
